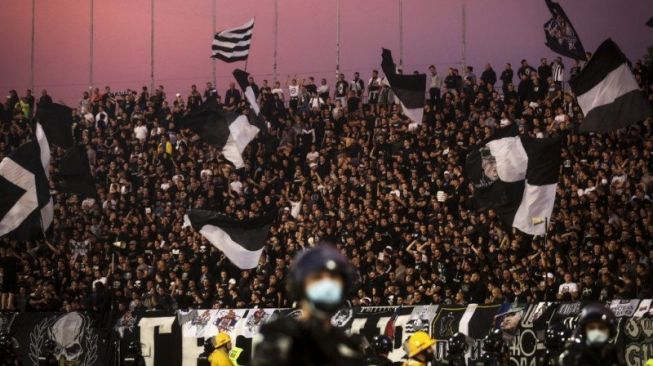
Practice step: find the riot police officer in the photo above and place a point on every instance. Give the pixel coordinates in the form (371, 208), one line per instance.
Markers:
(203, 358)
(319, 280)
(419, 349)
(134, 356)
(590, 345)
(555, 339)
(495, 350)
(457, 348)
(47, 358)
(381, 347)
(8, 355)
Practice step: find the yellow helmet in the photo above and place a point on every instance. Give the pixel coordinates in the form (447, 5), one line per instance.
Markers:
(417, 343)
(221, 339)
(649, 362)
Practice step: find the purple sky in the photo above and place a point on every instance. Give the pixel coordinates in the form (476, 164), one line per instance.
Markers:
(497, 31)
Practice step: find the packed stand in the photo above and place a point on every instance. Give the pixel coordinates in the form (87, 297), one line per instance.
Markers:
(340, 164)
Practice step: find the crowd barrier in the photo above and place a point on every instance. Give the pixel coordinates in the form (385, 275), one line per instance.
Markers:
(177, 338)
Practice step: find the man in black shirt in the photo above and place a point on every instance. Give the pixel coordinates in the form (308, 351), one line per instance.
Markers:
(9, 262)
(489, 76)
(544, 72)
(506, 77)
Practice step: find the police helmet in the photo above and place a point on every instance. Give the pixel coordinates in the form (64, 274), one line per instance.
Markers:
(323, 257)
(493, 342)
(596, 312)
(457, 344)
(381, 344)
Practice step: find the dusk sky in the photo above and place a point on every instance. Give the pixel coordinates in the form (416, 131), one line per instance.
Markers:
(497, 31)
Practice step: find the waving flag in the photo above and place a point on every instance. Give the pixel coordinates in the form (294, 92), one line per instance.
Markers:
(517, 177)
(242, 241)
(561, 37)
(232, 45)
(608, 93)
(25, 204)
(410, 89)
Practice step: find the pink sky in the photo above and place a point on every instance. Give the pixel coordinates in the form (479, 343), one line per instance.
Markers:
(497, 31)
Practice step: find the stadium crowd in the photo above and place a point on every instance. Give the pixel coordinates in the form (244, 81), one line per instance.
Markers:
(341, 164)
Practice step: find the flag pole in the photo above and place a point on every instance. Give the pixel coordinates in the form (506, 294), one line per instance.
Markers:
(276, 33)
(152, 46)
(337, 36)
(215, 81)
(92, 31)
(401, 33)
(31, 77)
(464, 35)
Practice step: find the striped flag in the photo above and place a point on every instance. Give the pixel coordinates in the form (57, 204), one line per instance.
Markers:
(233, 44)
(517, 178)
(608, 93)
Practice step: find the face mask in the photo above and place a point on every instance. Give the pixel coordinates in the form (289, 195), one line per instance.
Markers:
(596, 337)
(325, 292)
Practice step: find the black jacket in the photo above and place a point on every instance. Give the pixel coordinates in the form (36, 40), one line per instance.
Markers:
(578, 354)
(287, 342)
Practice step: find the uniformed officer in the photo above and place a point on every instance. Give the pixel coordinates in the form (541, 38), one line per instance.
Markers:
(203, 358)
(381, 347)
(319, 280)
(495, 350)
(419, 349)
(134, 356)
(47, 358)
(555, 339)
(222, 346)
(457, 348)
(590, 345)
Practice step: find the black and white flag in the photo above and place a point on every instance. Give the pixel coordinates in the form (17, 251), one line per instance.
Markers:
(232, 45)
(608, 93)
(561, 37)
(517, 177)
(75, 173)
(25, 204)
(410, 89)
(230, 132)
(56, 120)
(242, 241)
(242, 77)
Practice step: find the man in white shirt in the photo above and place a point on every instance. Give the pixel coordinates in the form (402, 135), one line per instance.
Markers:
(568, 287)
(140, 131)
(435, 85)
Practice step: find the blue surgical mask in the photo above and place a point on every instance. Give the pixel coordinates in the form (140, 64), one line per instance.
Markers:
(325, 291)
(596, 337)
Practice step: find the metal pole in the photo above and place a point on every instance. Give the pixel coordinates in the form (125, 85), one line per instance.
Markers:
(90, 69)
(401, 33)
(337, 36)
(215, 81)
(276, 33)
(152, 46)
(464, 48)
(31, 74)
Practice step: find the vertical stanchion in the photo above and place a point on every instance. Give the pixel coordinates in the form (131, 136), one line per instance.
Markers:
(152, 46)
(31, 73)
(215, 80)
(337, 37)
(401, 32)
(92, 36)
(464, 35)
(276, 34)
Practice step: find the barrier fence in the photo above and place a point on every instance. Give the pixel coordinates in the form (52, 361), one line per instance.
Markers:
(177, 338)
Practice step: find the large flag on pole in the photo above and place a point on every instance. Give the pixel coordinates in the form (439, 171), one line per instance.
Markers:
(242, 241)
(25, 204)
(561, 37)
(608, 93)
(232, 45)
(517, 177)
(410, 89)
(75, 173)
(230, 132)
(56, 120)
